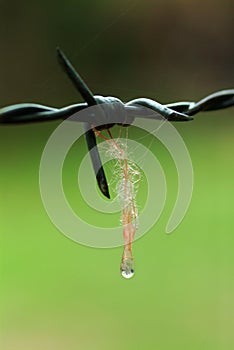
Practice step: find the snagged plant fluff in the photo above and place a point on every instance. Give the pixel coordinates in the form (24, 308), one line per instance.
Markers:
(126, 175)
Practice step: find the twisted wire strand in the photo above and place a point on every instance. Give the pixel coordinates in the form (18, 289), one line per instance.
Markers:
(127, 112)
(177, 111)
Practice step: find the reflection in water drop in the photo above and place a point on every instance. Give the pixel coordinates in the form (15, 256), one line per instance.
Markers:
(127, 268)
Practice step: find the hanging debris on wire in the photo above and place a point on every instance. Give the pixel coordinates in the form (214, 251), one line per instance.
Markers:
(112, 111)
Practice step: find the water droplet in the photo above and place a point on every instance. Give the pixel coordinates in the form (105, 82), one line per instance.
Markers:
(127, 268)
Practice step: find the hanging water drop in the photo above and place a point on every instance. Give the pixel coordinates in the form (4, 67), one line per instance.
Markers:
(127, 264)
(127, 268)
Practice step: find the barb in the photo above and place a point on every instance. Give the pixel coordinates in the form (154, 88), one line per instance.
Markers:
(127, 112)
(75, 78)
(89, 133)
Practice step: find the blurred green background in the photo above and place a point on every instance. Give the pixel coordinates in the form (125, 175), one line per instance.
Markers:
(56, 294)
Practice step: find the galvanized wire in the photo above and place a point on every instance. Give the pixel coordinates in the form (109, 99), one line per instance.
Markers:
(177, 111)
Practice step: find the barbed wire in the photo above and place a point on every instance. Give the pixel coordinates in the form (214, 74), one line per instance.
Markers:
(110, 109)
(177, 111)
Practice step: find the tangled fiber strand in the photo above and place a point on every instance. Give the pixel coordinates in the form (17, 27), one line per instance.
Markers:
(127, 175)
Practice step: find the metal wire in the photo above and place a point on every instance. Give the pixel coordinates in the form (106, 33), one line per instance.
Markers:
(127, 112)
(177, 111)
